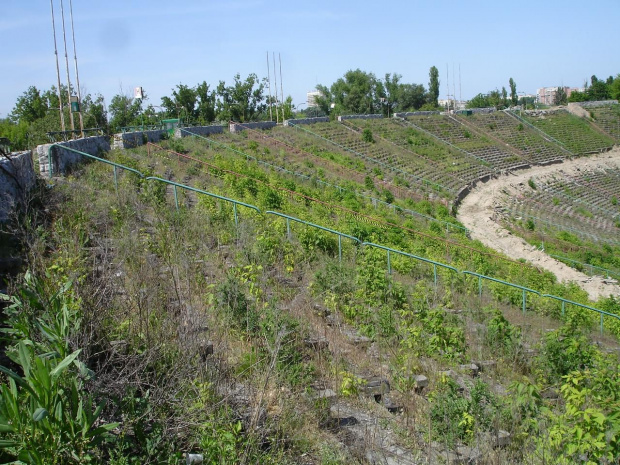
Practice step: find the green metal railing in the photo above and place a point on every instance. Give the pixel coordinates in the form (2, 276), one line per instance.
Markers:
(543, 133)
(340, 234)
(388, 166)
(448, 225)
(322, 228)
(87, 155)
(407, 254)
(586, 266)
(143, 127)
(54, 136)
(566, 301)
(200, 191)
(524, 289)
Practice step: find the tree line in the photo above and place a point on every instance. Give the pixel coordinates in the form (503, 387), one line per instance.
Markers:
(37, 112)
(361, 92)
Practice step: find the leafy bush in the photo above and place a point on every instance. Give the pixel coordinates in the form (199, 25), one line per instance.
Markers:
(46, 415)
(367, 136)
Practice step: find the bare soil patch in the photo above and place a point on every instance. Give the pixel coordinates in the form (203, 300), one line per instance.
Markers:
(476, 213)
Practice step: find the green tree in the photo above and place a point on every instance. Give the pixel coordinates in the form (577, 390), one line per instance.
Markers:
(243, 101)
(479, 101)
(94, 112)
(182, 104)
(412, 97)
(357, 92)
(124, 111)
(29, 107)
(324, 100)
(513, 91)
(433, 86)
(504, 102)
(17, 133)
(393, 91)
(614, 88)
(560, 96)
(598, 89)
(206, 103)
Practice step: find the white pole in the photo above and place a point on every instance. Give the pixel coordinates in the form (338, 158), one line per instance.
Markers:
(77, 75)
(275, 77)
(281, 88)
(269, 83)
(62, 115)
(64, 36)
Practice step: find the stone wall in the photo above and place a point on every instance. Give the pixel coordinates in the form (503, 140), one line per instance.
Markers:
(198, 131)
(238, 127)
(415, 113)
(597, 103)
(320, 119)
(63, 160)
(16, 179)
(345, 117)
(129, 140)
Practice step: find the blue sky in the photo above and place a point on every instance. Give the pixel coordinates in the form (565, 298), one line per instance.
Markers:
(157, 44)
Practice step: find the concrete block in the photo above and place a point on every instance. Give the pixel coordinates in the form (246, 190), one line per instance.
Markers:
(421, 382)
(376, 387)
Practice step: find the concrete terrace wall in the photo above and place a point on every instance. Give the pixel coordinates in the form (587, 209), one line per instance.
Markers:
(345, 117)
(16, 179)
(238, 127)
(415, 113)
(129, 140)
(198, 131)
(320, 119)
(62, 160)
(598, 103)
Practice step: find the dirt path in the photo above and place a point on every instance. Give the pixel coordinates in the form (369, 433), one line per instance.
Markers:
(476, 213)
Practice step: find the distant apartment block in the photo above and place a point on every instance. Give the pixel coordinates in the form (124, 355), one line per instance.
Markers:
(311, 97)
(452, 104)
(546, 95)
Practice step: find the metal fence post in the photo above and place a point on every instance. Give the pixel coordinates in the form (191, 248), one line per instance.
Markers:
(115, 180)
(176, 198)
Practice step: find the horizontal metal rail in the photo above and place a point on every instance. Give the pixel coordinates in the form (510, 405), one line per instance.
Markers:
(87, 155)
(53, 136)
(200, 191)
(389, 250)
(566, 301)
(143, 127)
(407, 254)
(524, 289)
(387, 166)
(545, 136)
(586, 265)
(322, 228)
(395, 207)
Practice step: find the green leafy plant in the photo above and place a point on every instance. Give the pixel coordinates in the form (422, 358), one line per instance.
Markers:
(46, 415)
(367, 136)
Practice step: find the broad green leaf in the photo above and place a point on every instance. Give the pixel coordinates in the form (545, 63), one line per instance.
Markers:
(5, 428)
(102, 429)
(19, 380)
(62, 366)
(39, 414)
(4, 443)
(24, 357)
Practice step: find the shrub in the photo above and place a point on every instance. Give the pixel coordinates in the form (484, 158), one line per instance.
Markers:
(367, 136)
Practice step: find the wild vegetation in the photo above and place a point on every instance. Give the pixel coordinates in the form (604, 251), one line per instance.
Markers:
(151, 321)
